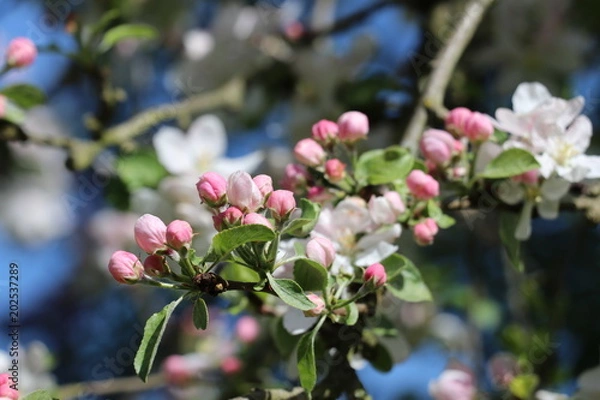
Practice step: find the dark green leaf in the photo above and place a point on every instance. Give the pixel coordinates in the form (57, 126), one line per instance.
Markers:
(229, 239)
(307, 366)
(378, 167)
(310, 275)
(140, 169)
(153, 331)
(404, 279)
(509, 163)
(301, 227)
(291, 293)
(284, 341)
(126, 31)
(24, 96)
(200, 314)
(507, 226)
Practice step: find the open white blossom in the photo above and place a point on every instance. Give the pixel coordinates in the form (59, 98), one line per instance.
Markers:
(553, 130)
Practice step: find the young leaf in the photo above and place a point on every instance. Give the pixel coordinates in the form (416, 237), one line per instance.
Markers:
(291, 293)
(140, 169)
(200, 314)
(126, 31)
(307, 366)
(352, 314)
(310, 275)
(510, 163)
(24, 96)
(378, 167)
(153, 331)
(301, 227)
(404, 279)
(229, 239)
(507, 227)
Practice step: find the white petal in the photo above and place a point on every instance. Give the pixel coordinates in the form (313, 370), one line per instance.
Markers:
(388, 233)
(173, 151)
(248, 163)
(590, 163)
(296, 323)
(547, 165)
(523, 231)
(207, 137)
(375, 254)
(548, 209)
(528, 96)
(554, 188)
(580, 133)
(507, 120)
(572, 109)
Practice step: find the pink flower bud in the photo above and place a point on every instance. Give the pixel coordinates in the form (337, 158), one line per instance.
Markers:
(353, 126)
(264, 184)
(309, 152)
(437, 146)
(257, 219)
(281, 203)
(387, 208)
(150, 233)
(425, 231)
(321, 250)
(231, 365)
(247, 329)
(229, 218)
(335, 170)
(478, 127)
(294, 177)
(457, 120)
(125, 267)
(212, 189)
(422, 185)
(176, 370)
(6, 391)
(459, 147)
(319, 305)
(155, 265)
(179, 234)
(319, 194)
(377, 273)
(453, 384)
(325, 131)
(21, 52)
(528, 178)
(243, 193)
(2, 106)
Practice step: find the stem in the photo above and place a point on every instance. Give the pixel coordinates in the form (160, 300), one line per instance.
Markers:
(249, 287)
(444, 65)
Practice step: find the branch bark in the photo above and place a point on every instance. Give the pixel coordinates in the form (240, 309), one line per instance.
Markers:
(444, 65)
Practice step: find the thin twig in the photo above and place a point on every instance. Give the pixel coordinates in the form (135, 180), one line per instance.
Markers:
(443, 67)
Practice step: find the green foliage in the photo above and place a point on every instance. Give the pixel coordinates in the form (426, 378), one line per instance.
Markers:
(307, 366)
(126, 31)
(140, 169)
(378, 167)
(200, 314)
(310, 275)
(434, 211)
(229, 239)
(510, 163)
(39, 395)
(524, 385)
(291, 293)
(23, 95)
(404, 279)
(301, 227)
(153, 332)
(507, 226)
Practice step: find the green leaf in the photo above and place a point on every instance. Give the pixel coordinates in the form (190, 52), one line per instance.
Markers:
(507, 226)
(301, 227)
(307, 366)
(351, 314)
(442, 220)
(13, 113)
(524, 385)
(404, 279)
(24, 96)
(310, 275)
(510, 163)
(378, 167)
(140, 169)
(126, 31)
(39, 395)
(229, 239)
(200, 314)
(291, 293)
(153, 331)
(105, 20)
(284, 341)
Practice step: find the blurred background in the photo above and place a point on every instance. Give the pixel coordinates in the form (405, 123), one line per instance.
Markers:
(299, 62)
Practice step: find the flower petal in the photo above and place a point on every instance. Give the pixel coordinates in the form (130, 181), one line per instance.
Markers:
(173, 150)
(528, 96)
(207, 137)
(554, 188)
(248, 163)
(579, 133)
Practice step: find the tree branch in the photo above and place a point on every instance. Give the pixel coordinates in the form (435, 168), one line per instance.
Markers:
(444, 65)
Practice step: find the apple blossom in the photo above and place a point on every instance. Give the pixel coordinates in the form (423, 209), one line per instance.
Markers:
(425, 231)
(20, 52)
(295, 177)
(457, 119)
(375, 272)
(155, 265)
(212, 189)
(281, 203)
(335, 170)
(387, 208)
(528, 178)
(437, 146)
(478, 127)
(319, 305)
(125, 267)
(353, 126)
(453, 384)
(321, 250)
(264, 184)
(243, 193)
(6, 391)
(229, 218)
(257, 219)
(247, 329)
(179, 234)
(422, 185)
(310, 153)
(325, 131)
(150, 233)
